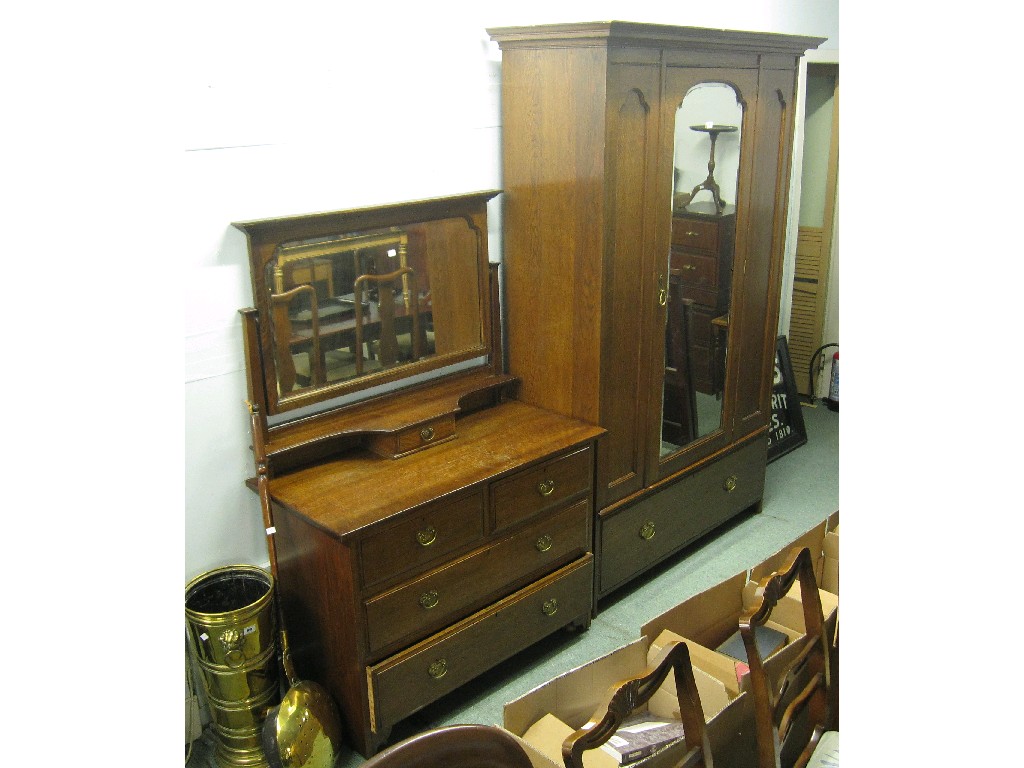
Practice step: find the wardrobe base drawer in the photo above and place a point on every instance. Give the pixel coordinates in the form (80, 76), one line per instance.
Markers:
(408, 681)
(633, 538)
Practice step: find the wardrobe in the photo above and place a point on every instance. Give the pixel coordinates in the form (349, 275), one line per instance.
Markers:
(606, 126)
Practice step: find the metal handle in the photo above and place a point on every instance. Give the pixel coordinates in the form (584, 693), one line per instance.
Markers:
(544, 543)
(550, 607)
(427, 536)
(730, 483)
(427, 434)
(429, 600)
(691, 233)
(688, 266)
(647, 530)
(546, 487)
(662, 291)
(438, 669)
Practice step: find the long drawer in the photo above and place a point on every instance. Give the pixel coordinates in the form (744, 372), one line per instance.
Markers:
(413, 610)
(410, 680)
(633, 538)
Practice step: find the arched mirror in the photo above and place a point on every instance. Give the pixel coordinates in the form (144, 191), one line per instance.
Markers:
(706, 165)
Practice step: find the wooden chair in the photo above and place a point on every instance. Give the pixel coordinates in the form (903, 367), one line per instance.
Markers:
(386, 328)
(284, 337)
(465, 746)
(680, 407)
(792, 715)
(625, 697)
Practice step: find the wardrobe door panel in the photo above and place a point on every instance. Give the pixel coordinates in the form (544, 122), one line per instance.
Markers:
(693, 98)
(757, 313)
(630, 299)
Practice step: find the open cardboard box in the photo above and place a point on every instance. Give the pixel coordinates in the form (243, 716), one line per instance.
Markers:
(707, 619)
(574, 696)
(823, 541)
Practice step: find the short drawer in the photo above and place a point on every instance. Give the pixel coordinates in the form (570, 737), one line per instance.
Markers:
(406, 441)
(634, 538)
(694, 271)
(693, 233)
(527, 493)
(410, 680)
(422, 606)
(422, 537)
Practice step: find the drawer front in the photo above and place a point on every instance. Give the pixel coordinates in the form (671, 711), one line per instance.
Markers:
(694, 271)
(634, 538)
(692, 233)
(406, 441)
(527, 493)
(416, 609)
(422, 537)
(412, 679)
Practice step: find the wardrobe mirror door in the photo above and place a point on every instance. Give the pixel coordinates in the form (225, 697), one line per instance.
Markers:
(699, 270)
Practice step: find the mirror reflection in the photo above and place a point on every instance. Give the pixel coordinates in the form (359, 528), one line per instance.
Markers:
(360, 303)
(699, 270)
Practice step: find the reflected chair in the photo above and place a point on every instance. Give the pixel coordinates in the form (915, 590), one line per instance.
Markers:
(793, 708)
(461, 746)
(286, 340)
(385, 327)
(680, 407)
(623, 698)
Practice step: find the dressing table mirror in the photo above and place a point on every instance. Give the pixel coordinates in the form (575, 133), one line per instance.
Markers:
(351, 300)
(423, 524)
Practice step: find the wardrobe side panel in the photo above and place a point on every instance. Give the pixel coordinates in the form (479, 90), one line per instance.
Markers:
(553, 132)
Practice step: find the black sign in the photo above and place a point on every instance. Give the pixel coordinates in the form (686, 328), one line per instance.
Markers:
(786, 429)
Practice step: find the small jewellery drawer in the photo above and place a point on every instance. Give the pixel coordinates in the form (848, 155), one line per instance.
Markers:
(694, 270)
(432, 601)
(692, 233)
(394, 444)
(527, 493)
(423, 536)
(408, 681)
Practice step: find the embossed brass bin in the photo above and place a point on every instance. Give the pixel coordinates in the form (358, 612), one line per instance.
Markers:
(232, 630)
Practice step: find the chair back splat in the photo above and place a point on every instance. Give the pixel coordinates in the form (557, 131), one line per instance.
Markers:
(624, 697)
(793, 707)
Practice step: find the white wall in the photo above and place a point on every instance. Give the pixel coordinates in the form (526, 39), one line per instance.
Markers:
(313, 107)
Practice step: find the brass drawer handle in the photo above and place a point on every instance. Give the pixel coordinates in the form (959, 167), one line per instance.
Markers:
(691, 233)
(647, 530)
(544, 543)
(688, 266)
(427, 434)
(730, 483)
(438, 669)
(427, 536)
(550, 607)
(429, 600)
(546, 487)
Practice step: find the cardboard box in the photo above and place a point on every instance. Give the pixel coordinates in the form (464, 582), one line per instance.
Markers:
(709, 618)
(826, 567)
(830, 558)
(542, 718)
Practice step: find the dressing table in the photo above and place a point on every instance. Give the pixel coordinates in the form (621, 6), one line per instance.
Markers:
(424, 523)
